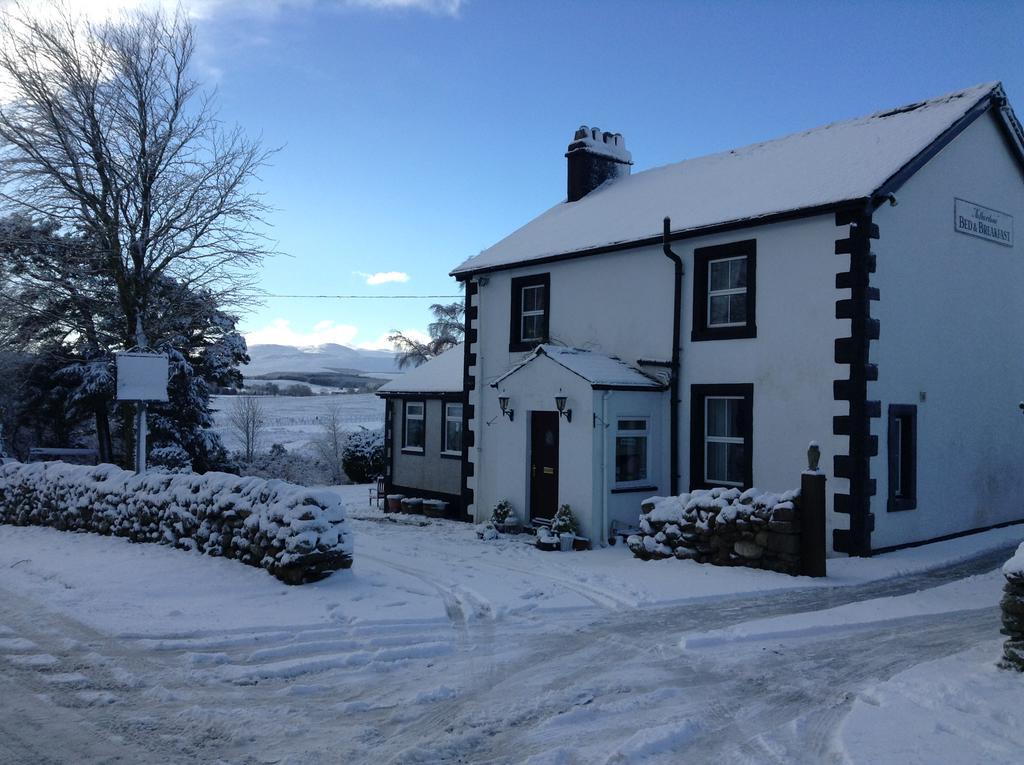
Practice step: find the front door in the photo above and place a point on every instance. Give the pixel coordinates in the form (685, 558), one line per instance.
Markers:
(543, 464)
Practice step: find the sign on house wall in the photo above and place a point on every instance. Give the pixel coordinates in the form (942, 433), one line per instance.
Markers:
(983, 222)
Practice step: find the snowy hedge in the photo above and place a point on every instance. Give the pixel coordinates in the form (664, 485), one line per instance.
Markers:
(1012, 606)
(297, 534)
(722, 526)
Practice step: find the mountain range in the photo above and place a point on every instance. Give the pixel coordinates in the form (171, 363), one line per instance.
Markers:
(270, 360)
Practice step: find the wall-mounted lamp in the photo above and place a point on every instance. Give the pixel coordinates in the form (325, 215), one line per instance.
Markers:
(503, 403)
(562, 411)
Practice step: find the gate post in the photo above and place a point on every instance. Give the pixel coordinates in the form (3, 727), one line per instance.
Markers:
(812, 516)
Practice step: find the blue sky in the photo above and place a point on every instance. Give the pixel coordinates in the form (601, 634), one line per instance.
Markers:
(415, 133)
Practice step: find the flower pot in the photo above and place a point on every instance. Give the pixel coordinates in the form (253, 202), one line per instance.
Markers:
(412, 505)
(435, 508)
(395, 503)
(565, 540)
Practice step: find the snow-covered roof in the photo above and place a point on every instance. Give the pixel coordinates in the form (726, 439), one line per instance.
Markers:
(442, 374)
(836, 163)
(599, 370)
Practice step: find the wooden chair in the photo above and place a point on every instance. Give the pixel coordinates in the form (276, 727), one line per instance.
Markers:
(377, 492)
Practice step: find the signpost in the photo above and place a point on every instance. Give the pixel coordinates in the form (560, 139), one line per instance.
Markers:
(141, 377)
(983, 222)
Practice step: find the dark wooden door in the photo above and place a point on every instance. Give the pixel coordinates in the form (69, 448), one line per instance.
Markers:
(543, 464)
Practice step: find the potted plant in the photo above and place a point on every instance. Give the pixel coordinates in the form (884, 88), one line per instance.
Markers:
(504, 518)
(564, 525)
(394, 504)
(412, 505)
(435, 508)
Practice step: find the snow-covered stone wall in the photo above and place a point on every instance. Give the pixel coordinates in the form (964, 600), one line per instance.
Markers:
(1013, 612)
(297, 534)
(726, 527)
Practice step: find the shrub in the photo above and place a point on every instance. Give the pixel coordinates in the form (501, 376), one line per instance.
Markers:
(564, 521)
(503, 513)
(362, 459)
(296, 534)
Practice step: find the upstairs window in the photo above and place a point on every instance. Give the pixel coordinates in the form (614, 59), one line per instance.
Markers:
(724, 291)
(531, 302)
(453, 429)
(902, 457)
(721, 437)
(631, 453)
(413, 427)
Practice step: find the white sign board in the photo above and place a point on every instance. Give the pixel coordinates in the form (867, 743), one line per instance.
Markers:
(983, 222)
(141, 377)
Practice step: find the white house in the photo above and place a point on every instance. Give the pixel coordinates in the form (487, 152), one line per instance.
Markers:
(858, 285)
(423, 421)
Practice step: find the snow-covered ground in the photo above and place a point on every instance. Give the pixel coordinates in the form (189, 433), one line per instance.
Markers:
(437, 647)
(294, 421)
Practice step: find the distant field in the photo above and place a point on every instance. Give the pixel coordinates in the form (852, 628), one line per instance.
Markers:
(295, 421)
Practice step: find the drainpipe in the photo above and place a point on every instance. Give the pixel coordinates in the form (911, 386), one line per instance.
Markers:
(677, 306)
(604, 467)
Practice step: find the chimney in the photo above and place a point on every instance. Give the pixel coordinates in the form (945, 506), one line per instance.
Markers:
(595, 157)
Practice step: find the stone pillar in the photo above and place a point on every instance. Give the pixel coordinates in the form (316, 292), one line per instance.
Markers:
(812, 516)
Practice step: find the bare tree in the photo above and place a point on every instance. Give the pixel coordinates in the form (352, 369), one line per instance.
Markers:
(108, 135)
(446, 331)
(247, 421)
(330, 444)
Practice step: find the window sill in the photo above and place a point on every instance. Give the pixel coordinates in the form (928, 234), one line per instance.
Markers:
(629, 489)
(899, 504)
(723, 333)
(519, 346)
(410, 450)
(451, 455)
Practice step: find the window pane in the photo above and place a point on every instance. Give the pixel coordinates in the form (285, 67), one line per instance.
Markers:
(533, 327)
(717, 462)
(454, 411)
(630, 458)
(718, 274)
(738, 308)
(414, 410)
(737, 418)
(718, 309)
(717, 417)
(533, 298)
(453, 436)
(414, 433)
(738, 273)
(632, 424)
(735, 470)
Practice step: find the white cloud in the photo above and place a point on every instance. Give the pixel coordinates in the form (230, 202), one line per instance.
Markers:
(280, 332)
(383, 344)
(383, 277)
(439, 7)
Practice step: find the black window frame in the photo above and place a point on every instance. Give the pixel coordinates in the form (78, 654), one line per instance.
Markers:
(406, 449)
(902, 422)
(516, 342)
(698, 396)
(702, 257)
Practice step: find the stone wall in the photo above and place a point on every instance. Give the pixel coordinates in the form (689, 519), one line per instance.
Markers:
(1012, 606)
(725, 527)
(299, 535)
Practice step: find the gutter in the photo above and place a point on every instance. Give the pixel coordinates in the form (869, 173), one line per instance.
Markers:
(677, 306)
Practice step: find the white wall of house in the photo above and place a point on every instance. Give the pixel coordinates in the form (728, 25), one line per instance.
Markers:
(790, 362)
(621, 304)
(507, 444)
(951, 328)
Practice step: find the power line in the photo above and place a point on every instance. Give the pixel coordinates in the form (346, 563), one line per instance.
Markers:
(364, 297)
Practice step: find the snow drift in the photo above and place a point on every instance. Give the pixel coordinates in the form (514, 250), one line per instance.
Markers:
(297, 534)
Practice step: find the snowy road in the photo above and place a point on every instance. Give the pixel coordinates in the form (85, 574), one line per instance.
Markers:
(600, 684)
